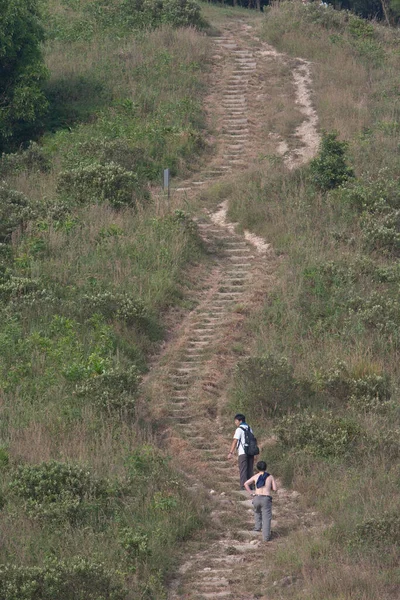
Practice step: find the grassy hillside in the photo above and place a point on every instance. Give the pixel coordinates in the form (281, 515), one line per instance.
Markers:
(90, 265)
(324, 371)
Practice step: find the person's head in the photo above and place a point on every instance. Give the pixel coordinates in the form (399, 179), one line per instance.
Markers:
(261, 465)
(239, 418)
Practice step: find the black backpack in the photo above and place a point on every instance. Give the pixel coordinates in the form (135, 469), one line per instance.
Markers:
(250, 443)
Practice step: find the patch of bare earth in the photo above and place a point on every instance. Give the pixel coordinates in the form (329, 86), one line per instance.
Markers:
(187, 384)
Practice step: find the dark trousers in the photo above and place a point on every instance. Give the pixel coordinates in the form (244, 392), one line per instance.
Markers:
(246, 466)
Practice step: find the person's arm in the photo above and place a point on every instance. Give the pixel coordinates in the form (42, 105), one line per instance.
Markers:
(247, 484)
(233, 447)
(274, 487)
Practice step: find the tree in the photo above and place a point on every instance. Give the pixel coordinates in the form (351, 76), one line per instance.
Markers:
(22, 71)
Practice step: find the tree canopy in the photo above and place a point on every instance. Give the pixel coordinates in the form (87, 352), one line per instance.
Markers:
(22, 71)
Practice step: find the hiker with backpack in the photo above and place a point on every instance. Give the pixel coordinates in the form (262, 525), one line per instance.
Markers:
(262, 499)
(246, 445)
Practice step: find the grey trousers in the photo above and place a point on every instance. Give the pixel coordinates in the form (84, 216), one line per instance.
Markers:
(246, 467)
(262, 506)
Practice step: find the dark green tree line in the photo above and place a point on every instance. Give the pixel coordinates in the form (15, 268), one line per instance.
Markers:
(22, 71)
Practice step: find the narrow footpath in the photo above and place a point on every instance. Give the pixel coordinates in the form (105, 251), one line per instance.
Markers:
(192, 373)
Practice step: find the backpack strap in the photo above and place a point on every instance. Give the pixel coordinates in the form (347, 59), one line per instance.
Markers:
(243, 429)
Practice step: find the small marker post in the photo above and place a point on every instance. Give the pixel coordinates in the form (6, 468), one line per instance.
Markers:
(166, 184)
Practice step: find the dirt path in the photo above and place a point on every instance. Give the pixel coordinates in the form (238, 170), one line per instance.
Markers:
(193, 371)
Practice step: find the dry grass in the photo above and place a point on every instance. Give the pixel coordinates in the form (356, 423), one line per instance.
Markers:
(307, 229)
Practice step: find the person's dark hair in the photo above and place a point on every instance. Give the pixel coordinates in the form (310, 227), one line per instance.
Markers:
(261, 465)
(240, 417)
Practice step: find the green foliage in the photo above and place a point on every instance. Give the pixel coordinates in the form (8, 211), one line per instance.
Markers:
(265, 386)
(58, 491)
(382, 529)
(343, 297)
(33, 159)
(123, 16)
(114, 305)
(148, 13)
(372, 191)
(381, 230)
(136, 545)
(114, 389)
(77, 579)
(22, 71)
(330, 169)
(54, 358)
(181, 13)
(366, 390)
(103, 183)
(15, 211)
(324, 434)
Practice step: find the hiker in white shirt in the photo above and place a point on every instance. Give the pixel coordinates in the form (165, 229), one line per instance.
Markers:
(262, 500)
(245, 462)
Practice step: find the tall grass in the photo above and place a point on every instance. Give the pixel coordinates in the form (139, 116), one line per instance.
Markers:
(333, 315)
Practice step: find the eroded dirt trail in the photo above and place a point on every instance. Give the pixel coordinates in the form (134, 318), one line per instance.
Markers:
(192, 373)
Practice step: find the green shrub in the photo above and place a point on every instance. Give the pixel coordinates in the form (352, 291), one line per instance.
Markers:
(57, 491)
(103, 183)
(15, 211)
(114, 305)
(382, 529)
(265, 386)
(121, 152)
(329, 169)
(367, 391)
(323, 434)
(33, 159)
(381, 230)
(372, 191)
(12, 287)
(181, 13)
(115, 389)
(77, 579)
(136, 545)
(151, 13)
(324, 16)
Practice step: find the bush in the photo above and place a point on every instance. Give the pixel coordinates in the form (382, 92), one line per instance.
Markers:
(381, 231)
(110, 151)
(114, 305)
(136, 545)
(323, 434)
(15, 211)
(382, 529)
(265, 386)
(57, 491)
(367, 390)
(181, 13)
(77, 579)
(103, 183)
(32, 159)
(373, 191)
(150, 13)
(115, 389)
(330, 169)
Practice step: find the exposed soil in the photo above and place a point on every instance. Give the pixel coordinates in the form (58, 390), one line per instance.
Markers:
(191, 375)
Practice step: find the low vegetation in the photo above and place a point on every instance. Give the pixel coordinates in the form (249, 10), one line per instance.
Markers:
(90, 262)
(325, 375)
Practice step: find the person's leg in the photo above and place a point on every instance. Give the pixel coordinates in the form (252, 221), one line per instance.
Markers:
(266, 513)
(242, 461)
(250, 466)
(257, 513)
